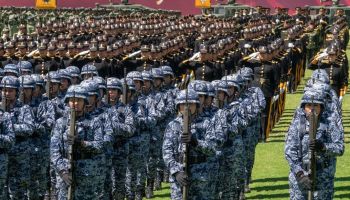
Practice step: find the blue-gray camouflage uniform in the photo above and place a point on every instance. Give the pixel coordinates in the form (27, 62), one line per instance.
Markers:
(297, 151)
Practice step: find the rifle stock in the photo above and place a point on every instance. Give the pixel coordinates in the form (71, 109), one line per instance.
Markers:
(3, 99)
(312, 136)
(72, 128)
(125, 89)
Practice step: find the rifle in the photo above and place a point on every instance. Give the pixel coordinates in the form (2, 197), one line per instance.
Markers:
(48, 82)
(186, 129)
(125, 89)
(71, 153)
(312, 136)
(21, 93)
(3, 99)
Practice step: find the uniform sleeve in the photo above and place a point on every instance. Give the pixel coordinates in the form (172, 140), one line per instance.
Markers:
(170, 146)
(46, 114)
(60, 162)
(97, 144)
(24, 125)
(335, 147)
(7, 138)
(293, 147)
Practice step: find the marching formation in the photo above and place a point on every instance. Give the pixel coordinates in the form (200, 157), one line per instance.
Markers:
(110, 105)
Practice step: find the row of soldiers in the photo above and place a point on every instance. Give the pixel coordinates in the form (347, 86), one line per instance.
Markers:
(119, 132)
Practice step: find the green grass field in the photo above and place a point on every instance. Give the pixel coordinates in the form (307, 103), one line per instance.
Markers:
(270, 174)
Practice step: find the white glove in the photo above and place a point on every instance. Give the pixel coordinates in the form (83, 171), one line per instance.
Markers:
(282, 90)
(275, 98)
(290, 45)
(247, 46)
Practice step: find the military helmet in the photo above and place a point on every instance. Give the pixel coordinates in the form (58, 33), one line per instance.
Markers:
(11, 68)
(54, 77)
(38, 79)
(89, 69)
(158, 73)
(222, 86)
(114, 83)
(135, 76)
(317, 85)
(199, 86)
(91, 87)
(167, 70)
(211, 89)
(64, 73)
(231, 81)
(246, 73)
(192, 97)
(74, 71)
(313, 96)
(26, 81)
(25, 66)
(320, 75)
(147, 76)
(100, 81)
(76, 91)
(10, 82)
(130, 83)
(238, 79)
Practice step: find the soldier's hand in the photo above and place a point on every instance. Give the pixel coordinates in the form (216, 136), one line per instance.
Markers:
(66, 178)
(186, 137)
(71, 139)
(304, 181)
(181, 178)
(316, 145)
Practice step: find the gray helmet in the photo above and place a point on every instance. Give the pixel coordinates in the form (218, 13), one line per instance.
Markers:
(25, 66)
(11, 68)
(231, 81)
(222, 86)
(64, 73)
(147, 76)
(167, 70)
(54, 77)
(100, 81)
(89, 69)
(192, 97)
(26, 81)
(10, 82)
(157, 73)
(246, 73)
(135, 76)
(74, 71)
(130, 83)
(76, 91)
(317, 85)
(38, 80)
(238, 79)
(211, 90)
(317, 95)
(320, 75)
(199, 86)
(91, 87)
(114, 83)
(215, 83)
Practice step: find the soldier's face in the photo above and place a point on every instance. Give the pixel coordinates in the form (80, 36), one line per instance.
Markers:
(92, 102)
(157, 82)
(332, 57)
(114, 94)
(75, 80)
(54, 88)
(28, 92)
(192, 107)
(167, 79)
(208, 101)
(147, 84)
(37, 91)
(10, 94)
(64, 84)
(138, 85)
(77, 103)
(221, 96)
(202, 99)
(308, 109)
(87, 76)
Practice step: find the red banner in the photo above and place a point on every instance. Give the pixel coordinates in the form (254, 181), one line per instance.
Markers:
(185, 6)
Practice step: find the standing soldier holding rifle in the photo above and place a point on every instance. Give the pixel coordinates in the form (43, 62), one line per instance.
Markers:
(188, 150)
(312, 144)
(87, 142)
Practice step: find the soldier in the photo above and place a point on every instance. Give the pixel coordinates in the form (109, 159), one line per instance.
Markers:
(88, 141)
(145, 120)
(75, 74)
(202, 144)
(122, 123)
(7, 137)
(24, 126)
(11, 70)
(88, 71)
(329, 144)
(25, 68)
(66, 81)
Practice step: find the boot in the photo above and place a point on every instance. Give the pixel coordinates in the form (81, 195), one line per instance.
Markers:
(158, 182)
(149, 189)
(242, 196)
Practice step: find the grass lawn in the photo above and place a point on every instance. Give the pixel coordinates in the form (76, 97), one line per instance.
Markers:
(270, 174)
